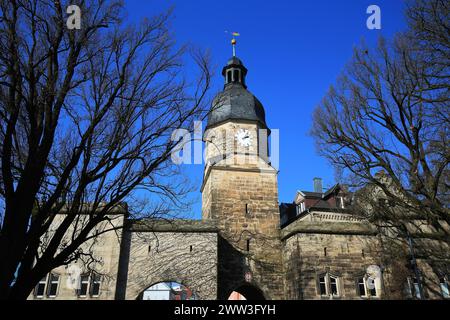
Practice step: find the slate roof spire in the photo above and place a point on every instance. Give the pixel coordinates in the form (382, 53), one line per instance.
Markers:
(235, 102)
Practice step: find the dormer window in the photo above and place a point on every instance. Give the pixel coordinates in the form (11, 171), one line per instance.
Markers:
(340, 202)
(301, 207)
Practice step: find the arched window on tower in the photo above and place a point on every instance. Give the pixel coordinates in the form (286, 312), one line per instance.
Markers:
(229, 76)
(236, 77)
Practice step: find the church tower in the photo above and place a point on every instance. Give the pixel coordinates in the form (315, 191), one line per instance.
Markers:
(240, 191)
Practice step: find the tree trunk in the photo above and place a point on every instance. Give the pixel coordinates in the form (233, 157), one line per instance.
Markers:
(23, 287)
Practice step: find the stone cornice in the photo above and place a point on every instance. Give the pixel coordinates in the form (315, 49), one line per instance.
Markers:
(176, 225)
(230, 168)
(344, 228)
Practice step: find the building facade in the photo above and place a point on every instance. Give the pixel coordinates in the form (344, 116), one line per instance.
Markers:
(247, 245)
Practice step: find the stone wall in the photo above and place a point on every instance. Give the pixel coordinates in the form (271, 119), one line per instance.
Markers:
(244, 204)
(343, 248)
(186, 257)
(105, 249)
(306, 256)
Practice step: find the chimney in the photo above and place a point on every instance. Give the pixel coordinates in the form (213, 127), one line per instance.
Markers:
(318, 185)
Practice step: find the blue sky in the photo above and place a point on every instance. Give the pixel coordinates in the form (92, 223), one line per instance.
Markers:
(294, 51)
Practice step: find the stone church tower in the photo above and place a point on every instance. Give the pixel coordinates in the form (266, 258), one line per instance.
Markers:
(240, 191)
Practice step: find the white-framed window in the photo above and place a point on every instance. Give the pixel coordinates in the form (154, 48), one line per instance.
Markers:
(301, 207)
(39, 290)
(364, 290)
(416, 289)
(90, 283)
(444, 285)
(84, 285)
(95, 285)
(323, 285)
(52, 286)
(334, 285)
(373, 290)
(412, 288)
(340, 202)
(328, 285)
(47, 286)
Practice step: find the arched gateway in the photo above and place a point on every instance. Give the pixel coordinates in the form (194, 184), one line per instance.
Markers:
(167, 290)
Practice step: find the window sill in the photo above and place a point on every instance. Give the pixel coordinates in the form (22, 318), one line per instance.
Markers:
(369, 298)
(322, 297)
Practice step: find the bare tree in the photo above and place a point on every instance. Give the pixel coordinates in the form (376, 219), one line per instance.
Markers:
(86, 120)
(385, 127)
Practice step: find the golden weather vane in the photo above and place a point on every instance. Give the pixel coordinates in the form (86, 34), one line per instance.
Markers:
(233, 41)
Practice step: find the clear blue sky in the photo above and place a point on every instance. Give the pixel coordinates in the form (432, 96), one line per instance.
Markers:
(294, 51)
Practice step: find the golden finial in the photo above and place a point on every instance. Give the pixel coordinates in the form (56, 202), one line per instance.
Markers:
(233, 41)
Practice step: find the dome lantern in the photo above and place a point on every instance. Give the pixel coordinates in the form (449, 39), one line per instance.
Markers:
(234, 72)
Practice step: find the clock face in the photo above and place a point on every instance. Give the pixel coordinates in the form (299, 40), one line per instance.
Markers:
(244, 138)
